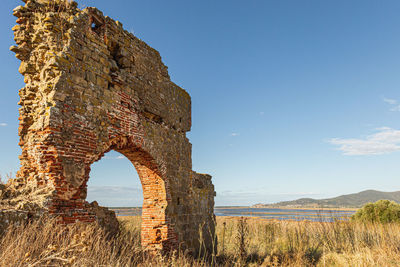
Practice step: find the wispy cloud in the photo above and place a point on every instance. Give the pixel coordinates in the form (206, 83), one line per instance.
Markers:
(3, 124)
(298, 194)
(244, 194)
(395, 106)
(113, 196)
(117, 157)
(261, 113)
(235, 134)
(390, 101)
(260, 195)
(385, 140)
(113, 189)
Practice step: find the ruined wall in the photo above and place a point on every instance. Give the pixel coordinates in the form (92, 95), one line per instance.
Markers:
(92, 87)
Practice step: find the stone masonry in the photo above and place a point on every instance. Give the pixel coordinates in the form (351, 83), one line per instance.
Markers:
(92, 87)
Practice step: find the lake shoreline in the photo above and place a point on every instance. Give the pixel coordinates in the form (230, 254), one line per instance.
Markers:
(275, 213)
(289, 208)
(253, 207)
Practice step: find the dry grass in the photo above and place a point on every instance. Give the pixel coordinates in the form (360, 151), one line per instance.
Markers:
(46, 243)
(288, 243)
(247, 242)
(4, 179)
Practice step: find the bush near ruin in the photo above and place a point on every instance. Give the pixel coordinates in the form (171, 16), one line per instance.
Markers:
(383, 211)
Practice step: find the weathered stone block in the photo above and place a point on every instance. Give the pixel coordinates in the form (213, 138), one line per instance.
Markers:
(27, 68)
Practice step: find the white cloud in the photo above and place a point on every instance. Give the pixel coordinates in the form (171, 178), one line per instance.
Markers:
(386, 140)
(117, 157)
(251, 193)
(2, 124)
(235, 134)
(115, 196)
(395, 108)
(113, 189)
(260, 195)
(390, 101)
(262, 113)
(393, 102)
(299, 194)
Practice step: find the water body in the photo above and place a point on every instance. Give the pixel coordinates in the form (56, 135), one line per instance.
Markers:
(265, 213)
(286, 214)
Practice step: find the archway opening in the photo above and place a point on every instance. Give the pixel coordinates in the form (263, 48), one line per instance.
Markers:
(113, 183)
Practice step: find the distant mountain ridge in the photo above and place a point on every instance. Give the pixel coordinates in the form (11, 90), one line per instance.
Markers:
(346, 201)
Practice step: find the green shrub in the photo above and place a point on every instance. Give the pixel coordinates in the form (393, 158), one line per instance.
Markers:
(383, 211)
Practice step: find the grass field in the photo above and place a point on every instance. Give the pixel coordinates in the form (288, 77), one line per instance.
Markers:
(241, 242)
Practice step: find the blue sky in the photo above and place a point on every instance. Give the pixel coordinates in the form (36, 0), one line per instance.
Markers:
(289, 98)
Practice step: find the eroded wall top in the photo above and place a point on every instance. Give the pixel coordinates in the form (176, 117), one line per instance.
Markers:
(48, 40)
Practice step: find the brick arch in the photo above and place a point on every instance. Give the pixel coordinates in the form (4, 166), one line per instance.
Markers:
(91, 86)
(156, 229)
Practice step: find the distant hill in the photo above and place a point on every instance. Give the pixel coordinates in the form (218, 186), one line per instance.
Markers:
(349, 201)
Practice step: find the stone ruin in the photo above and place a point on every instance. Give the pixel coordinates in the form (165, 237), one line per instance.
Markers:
(92, 87)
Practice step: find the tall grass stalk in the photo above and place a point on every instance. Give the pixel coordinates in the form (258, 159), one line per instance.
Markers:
(291, 243)
(246, 242)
